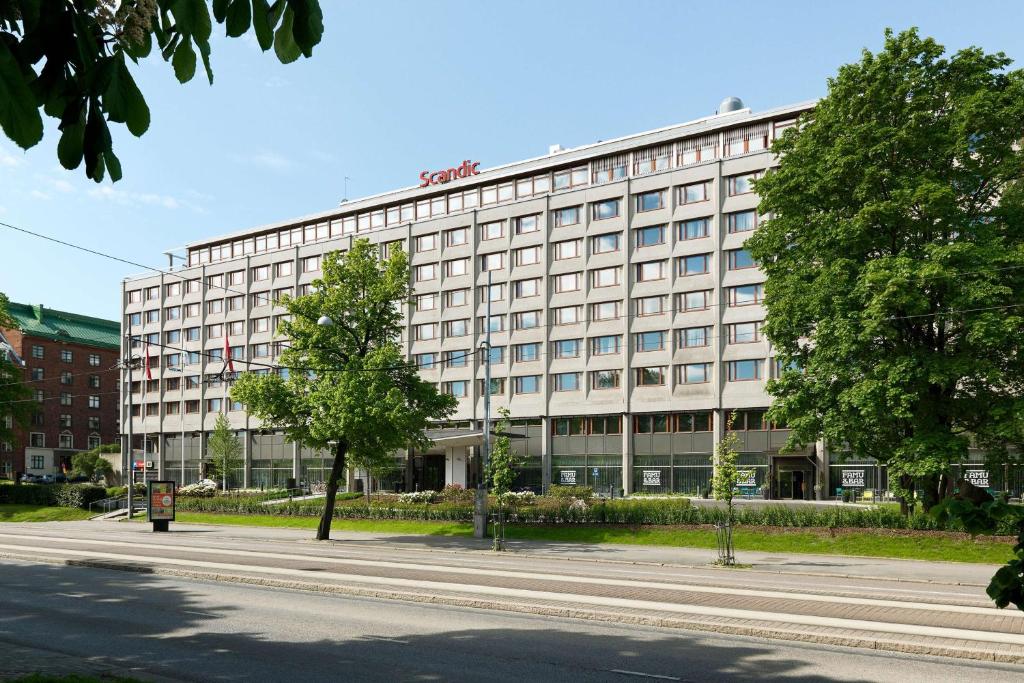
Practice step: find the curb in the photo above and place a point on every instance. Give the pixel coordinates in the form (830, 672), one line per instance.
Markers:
(887, 644)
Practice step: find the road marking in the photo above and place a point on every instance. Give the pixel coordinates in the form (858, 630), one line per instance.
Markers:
(643, 675)
(586, 600)
(560, 578)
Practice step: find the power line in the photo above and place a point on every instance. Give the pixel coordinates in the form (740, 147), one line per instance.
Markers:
(51, 379)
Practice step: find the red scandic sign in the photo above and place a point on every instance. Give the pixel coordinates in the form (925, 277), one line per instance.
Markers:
(467, 169)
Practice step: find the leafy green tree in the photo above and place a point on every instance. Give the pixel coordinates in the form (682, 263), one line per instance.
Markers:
(501, 471)
(894, 254)
(69, 59)
(225, 450)
(723, 486)
(15, 397)
(348, 387)
(92, 464)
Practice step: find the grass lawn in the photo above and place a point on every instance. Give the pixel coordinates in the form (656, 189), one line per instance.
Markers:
(41, 513)
(865, 543)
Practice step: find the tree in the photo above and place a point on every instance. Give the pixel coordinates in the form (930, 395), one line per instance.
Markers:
(349, 386)
(894, 255)
(225, 450)
(92, 464)
(84, 46)
(501, 471)
(16, 405)
(723, 484)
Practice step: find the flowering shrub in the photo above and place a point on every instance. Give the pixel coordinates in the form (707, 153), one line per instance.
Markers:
(566, 492)
(456, 493)
(418, 496)
(518, 498)
(205, 488)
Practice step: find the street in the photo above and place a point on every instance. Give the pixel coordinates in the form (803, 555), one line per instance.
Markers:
(206, 602)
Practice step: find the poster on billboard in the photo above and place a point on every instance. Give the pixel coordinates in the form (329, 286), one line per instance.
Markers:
(853, 479)
(161, 501)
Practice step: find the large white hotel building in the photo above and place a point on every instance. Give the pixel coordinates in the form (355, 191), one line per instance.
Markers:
(625, 326)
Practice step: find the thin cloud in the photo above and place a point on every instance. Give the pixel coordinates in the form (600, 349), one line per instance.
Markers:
(7, 159)
(266, 159)
(128, 198)
(37, 194)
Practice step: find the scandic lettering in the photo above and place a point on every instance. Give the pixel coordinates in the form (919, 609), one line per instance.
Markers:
(466, 169)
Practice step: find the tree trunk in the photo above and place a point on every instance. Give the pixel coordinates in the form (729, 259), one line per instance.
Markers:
(323, 532)
(907, 484)
(930, 488)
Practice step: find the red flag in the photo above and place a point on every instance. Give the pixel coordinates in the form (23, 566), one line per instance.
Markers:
(227, 352)
(149, 373)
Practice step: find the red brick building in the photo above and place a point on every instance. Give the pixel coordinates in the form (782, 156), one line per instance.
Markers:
(70, 366)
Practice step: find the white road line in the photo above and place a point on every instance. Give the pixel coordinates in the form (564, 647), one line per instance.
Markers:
(643, 675)
(560, 578)
(584, 600)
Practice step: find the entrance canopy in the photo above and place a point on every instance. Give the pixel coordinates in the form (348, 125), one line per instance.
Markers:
(456, 437)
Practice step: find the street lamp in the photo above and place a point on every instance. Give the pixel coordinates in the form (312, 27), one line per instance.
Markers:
(325, 321)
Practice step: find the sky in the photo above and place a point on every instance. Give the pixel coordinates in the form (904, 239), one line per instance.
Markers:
(397, 87)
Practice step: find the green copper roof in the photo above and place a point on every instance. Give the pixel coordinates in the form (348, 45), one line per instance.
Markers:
(39, 321)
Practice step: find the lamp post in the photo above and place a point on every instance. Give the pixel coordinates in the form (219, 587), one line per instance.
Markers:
(480, 499)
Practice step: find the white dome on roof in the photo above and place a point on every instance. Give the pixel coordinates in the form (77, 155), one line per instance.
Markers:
(730, 104)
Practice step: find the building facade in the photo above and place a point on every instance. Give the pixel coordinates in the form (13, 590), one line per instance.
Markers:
(625, 319)
(71, 367)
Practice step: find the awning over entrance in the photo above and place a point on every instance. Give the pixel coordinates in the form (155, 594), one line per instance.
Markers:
(453, 438)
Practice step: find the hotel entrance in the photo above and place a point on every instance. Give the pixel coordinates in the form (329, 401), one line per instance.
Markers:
(793, 479)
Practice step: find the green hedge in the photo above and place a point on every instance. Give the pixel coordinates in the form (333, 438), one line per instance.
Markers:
(51, 494)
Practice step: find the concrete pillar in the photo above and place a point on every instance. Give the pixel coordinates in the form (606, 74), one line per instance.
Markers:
(821, 459)
(627, 453)
(246, 459)
(545, 453)
(296, 455)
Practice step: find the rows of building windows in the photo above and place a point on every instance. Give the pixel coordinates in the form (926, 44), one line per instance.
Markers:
(66, 355)
(660, 423)
(603, 170)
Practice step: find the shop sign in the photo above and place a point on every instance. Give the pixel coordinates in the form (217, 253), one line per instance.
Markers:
(652, 477)
(567, 477)
(853, 478)
(746, 478)
(161, 501)
(977, 477)
(467, 169)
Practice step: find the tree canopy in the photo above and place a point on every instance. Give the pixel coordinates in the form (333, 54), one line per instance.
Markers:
(894, 254)
(15, 403)
(347, 385)
(225, 450)
(69, 59)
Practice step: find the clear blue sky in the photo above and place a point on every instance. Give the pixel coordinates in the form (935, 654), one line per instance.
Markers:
(396, 87)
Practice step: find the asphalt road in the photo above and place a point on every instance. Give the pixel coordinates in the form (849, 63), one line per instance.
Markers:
(65, 618)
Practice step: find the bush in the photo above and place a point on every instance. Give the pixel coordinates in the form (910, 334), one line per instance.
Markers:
(117, 491)
(78, 495)
(427, 496)
(518, 498)
(27, 494)
(456, 493)
(206, 488)
(581, 492)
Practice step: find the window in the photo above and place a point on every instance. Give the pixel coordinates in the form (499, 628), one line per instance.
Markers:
(605, 244)
(492, 231)
(456, 359)
(740, 259)
(527, 224)
(744, 370)
(567, 282)
(458, 389)
(695, 373)
(742, 221)
(650, 201)
(426, 331)
(456, 267)
(152, 316)
(526, 320)
(658, 423)
(497, 323)
(64, 421)
(311, 264)
(93, 382)
(152, 293)
(649, 236)
(172, 289)
(281, 293)
(746, 420)
(605, 310)
(744, 333)
(605, 277)
(65, 398)
(37, 395)
(527, 256)
(426, 242)
(606, 345)
(425, 272)
(236, 277)
(568, 178)
(94, 422)
(215, 331)
(649, 341)
(695, 229)
(37, 351)
(568, 315)
(135, 296)
(260, 324)
(567, 216)
(284, 268)
(746, 295)
(695, 192)
(652, 159)
(192, 406)
(214, 405)
(66, 378)
(526, 384)
(567, 249)
(610, 168)
(172, 336)
(750, 139)
(692, 337)
(496, 355)
(37, 374)
(566, 381)
(606, 209)
(497, 387)
(650, 305)
(425, 361)
(527, 187)
(260, 273)
(651, 377)
(215, 306)
(566, 348)
(260, 350)
(193, 310)
(236, 303)
(172, 313)
(698, 264)
(527, 353)
(37, 419)
(193, 286)
(492, 293)
(496, 261)
(457, 328)
(527, 288)
(456, 236)
(695, 301)
(191, 334)
(426, 302)
(651, 270)
(94, 401)
(605, 379)
(567, 426)
(742, 184)
(134, 319)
